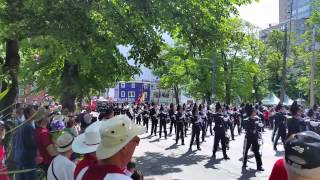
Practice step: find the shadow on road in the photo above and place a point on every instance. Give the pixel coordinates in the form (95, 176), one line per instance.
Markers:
(147, 137)
(158, 164)
(249, 157)
(173, 146)
(247, 174)
(155, 140)
(212, 162)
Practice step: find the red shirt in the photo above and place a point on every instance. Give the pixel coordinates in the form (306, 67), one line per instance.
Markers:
(43, 141)
(3, 167)
(100, 171)
(279, 171)
(87, 160)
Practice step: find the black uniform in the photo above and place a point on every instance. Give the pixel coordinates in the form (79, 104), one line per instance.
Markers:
(294, 126)
(203, 124)
(145, 116)
(154, 121)
(163, 123)
(210, 120)
(196, 128)
(172, 121)
(251, 139)
(280, 126)
(220, 134)
(138, 115)
(237, 121)
(230, 123)
(180, 119)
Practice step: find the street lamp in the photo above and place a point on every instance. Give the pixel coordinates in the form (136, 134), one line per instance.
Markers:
(253, 92)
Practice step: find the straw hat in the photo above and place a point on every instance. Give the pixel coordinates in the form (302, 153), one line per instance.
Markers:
(116, 133)
(64, 142)
(88, 141)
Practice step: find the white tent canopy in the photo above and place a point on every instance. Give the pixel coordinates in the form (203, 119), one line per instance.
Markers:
(287, 100)
(271, 99)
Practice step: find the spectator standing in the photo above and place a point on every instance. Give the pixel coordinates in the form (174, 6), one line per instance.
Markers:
(3, 167)
(119, 138)
(45, 145)
(61, 167)
(25, 146)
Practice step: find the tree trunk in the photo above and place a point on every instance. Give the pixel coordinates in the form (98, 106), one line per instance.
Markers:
(69, 94)
(227, 80)
(208, 98)
(176, 94)
(11, 68)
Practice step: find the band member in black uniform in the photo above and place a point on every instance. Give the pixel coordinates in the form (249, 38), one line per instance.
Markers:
(122, 110)
(251, 138)
(280, 125)
(116, 109)
(219, 132)
(172, 118)
(180, 119)
(196, 127)
(203, 116)
(185, 123)
(145, 117)
(295, 123)
(230, 121)
(210, 120)
(236, 119)
(154, 120)
(128, 112)
(163, 121)
(138, 114)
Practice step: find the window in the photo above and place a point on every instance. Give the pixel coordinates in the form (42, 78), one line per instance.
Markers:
(145, 94)
(123, 94)
(145, 86)
(131, 94)
(133, 85)
(123, 85)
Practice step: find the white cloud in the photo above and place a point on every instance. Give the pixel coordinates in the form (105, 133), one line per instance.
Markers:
(261, 13)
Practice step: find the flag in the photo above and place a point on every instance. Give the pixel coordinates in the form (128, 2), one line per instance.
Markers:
(141, 97)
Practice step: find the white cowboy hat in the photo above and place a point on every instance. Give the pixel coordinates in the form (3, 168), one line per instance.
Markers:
(116, 133)
(86, 142)
(64, 142)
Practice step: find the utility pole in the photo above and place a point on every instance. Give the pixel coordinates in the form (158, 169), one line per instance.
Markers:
(286, 53)
(313, 66)
(284, 66)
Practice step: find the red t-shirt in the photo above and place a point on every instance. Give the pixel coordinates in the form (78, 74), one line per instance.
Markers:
(100, 171)
(87, 160)
(43, 141)
(3, 167)
(279, 171)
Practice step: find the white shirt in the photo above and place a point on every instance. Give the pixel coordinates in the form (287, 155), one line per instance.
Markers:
(63, 169)
(116, 176)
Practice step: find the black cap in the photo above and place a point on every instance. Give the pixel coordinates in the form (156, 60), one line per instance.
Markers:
(302, 150)
(249, 109)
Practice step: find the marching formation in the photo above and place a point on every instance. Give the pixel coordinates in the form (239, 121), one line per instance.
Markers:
(221, 122)
(80, 146)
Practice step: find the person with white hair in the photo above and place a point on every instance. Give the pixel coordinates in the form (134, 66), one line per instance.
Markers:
(119, 138)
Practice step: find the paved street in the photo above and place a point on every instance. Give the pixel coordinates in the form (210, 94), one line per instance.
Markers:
(162, 159)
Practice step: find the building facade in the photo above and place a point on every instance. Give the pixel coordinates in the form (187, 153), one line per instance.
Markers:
(131, 91)
(301, 11)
